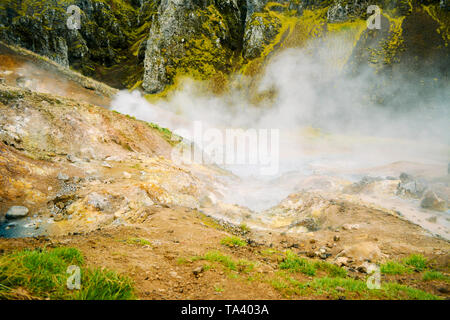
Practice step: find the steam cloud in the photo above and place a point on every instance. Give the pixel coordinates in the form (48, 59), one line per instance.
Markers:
(312, 93)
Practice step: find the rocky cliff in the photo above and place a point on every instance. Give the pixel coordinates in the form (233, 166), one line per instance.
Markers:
(151, 43)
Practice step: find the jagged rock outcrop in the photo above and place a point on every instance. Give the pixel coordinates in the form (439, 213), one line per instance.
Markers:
(192, 37)
(152, 42)
(105, 38)
(261, 28)
(344, 10)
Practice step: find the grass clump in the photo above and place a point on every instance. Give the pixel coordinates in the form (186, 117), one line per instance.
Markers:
(397, 291)
(171, 138)
(42, 273)
(216, 256)
(416, 261)
(392, 267)
(351, 288)
(139, 241)
(233, 242)
(294, 263)
(268, 252)
(228, 263)
(434, 275)
(218, 288)
(244, 228)
(332, 269)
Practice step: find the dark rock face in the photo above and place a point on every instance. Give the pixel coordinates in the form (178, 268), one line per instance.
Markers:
(41, 26)
(193, 37)
(260, 30)
(155, 41)
(344, 10)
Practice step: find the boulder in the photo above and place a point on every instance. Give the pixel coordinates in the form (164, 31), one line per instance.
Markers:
(410, 187)
(362, 251)
(341, 261)
(433, 202)
(16, 212)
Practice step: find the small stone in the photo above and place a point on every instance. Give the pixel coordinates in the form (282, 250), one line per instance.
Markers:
(72, 158)
(340, 289)
(197, 270)
(336, 238)
(324, 255)
(443, 290)
(106, 164)
(341, 261)
(348, 226)
(312, 241)
(126, 175)
(63, 176)
(433, 202)
(363, 268)
(17, 212)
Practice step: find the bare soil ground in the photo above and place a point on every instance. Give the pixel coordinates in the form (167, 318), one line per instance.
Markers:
(157, 254)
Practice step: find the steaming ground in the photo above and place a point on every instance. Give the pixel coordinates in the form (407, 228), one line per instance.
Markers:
(328, 128)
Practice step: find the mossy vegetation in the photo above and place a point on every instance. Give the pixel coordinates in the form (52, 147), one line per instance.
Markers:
(293, 263)
(42, 273)
(393, 267)
(337, 287)
(229, 264)
(414, 262)
(138, 241)
(233, 242)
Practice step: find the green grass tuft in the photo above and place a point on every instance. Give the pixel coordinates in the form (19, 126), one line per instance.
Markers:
(417, 261)
(294, 263)
(216, 256)
(42, 274)
(139, 241)
(434, 275)
(233, 242)
(393, 267)
(244, 228)
(350, 288)
(241, 265)
(332, 269)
